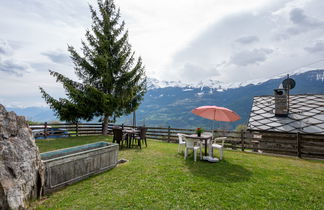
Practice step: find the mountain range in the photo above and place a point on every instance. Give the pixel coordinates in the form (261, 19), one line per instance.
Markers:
(169, 103)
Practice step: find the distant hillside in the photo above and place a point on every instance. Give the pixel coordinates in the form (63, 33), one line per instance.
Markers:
(172, 105)
(169, 103)
(38, 114)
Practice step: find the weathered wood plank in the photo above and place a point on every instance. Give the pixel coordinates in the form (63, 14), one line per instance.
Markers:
(313, 143)
(312, 149)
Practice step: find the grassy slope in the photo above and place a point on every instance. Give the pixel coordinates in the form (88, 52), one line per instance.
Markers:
(157, 178)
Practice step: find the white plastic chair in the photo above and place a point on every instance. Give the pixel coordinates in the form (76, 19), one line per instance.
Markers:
(220, 147)
(193, 144)
(206, 134)
(181, 141)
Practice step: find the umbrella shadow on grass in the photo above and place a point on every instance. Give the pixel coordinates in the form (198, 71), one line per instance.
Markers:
(223, 171)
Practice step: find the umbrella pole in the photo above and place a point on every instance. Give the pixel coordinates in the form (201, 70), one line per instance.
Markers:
(210, 149)
(213, 125)
(213, 129)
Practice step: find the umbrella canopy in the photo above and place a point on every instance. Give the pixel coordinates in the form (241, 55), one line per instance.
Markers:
(216, 113)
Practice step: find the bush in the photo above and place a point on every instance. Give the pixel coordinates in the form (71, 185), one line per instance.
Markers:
(241, 127)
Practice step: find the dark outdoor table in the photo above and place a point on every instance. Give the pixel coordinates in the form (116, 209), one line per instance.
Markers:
(201, 138)
(131, 135)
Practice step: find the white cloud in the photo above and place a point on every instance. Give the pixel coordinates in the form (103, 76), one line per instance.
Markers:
(184, 40)
(263, 37)
(302, 22)
(5, 47)
(298, 17)
(247, 39)
(14, 67)
(249, 57)
(57, 56)
(317, 47)
(190, 70)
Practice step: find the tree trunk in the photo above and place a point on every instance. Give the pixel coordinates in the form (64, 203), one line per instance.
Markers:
(105, 125)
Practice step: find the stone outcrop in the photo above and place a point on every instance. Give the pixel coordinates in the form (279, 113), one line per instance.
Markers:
(21, 169)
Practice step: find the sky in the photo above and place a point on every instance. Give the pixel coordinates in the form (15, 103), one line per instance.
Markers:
(186, 40)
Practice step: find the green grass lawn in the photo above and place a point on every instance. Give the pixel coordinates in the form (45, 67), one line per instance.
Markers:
(158, 177)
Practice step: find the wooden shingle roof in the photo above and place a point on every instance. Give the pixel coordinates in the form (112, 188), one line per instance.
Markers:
(306, 114)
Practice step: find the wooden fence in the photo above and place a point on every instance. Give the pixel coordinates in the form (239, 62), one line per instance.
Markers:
(292, 144)
(50, 130)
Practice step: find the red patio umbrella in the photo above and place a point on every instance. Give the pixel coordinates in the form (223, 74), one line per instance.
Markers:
(216, 113)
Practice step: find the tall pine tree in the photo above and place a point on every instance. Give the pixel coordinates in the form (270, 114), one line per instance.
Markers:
(111, 82)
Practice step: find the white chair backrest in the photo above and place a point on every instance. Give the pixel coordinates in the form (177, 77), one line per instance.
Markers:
(190, 142)
(181, 138)
(222, 139)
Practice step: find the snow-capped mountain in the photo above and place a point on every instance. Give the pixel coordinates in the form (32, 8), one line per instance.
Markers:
(154, 83)
(170, 102)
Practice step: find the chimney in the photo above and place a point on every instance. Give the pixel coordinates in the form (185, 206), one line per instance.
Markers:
(281, 102)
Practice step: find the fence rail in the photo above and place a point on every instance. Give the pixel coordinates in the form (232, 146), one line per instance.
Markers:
(293, 144)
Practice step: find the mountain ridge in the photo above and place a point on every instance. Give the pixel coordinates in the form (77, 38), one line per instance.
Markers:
(221, 86)
(171, 105)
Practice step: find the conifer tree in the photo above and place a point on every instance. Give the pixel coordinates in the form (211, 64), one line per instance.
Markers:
(112, 82)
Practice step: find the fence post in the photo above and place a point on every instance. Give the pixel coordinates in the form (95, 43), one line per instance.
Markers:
(45, 130)
(298, 135)
(77, 128)
(102, 127)
(242, 140)
(169, 133)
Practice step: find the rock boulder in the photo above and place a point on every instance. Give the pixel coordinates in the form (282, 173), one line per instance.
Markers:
(21, 168)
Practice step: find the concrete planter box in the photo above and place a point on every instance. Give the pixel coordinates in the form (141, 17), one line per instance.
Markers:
(69, 165)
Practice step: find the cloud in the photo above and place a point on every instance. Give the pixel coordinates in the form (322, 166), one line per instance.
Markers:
(302, 22)
(230, 40)
(56, 12)
(57, 56)
(5, 47)
(249, 57)
(215, 40)
(247, 39)
(13, 67)
(318, 46)
(9, 64)
(298, 17)
(190, 70)
(248, 42)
